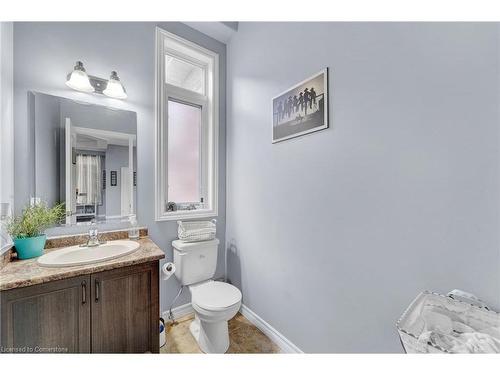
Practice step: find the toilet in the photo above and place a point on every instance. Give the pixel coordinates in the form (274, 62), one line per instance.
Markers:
(214, 302)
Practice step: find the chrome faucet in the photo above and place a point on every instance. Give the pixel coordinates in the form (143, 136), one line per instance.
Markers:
(93, 239)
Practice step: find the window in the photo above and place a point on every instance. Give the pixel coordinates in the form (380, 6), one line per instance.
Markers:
(186, 129)
(183, 159)
(185, 74)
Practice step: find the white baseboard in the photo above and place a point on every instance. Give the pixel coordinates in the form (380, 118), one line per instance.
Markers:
(283, 343)
(179, 311)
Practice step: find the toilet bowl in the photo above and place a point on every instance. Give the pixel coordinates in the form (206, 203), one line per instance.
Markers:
(214, 303)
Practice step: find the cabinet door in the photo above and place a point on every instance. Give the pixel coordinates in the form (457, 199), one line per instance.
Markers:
(125, 310)
(50, 317)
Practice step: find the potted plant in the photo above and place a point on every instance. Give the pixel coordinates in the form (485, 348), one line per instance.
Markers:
(27, 229)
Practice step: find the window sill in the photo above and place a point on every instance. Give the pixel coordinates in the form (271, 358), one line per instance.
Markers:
(186, 215)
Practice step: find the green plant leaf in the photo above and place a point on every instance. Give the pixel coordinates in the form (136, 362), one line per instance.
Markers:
(35, 219)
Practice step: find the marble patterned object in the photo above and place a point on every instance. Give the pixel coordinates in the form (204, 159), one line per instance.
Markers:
(65, 241)
(21, 273)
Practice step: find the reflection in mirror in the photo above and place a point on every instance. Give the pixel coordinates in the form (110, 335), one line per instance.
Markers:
(85, 156)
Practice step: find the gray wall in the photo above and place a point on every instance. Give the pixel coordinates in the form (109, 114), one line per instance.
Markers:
(44, 52)
(336, 232)
(47, 148)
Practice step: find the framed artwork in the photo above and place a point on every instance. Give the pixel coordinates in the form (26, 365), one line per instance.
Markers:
(114, 178)
(301, 109)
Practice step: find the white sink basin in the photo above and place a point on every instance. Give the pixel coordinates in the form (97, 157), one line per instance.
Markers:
(77, 255)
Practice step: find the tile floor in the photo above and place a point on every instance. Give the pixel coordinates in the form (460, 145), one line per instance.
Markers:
(244, 338)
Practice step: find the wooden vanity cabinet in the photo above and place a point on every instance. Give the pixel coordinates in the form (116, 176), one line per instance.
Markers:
(113, 311)
(125, 310)
(49, 317)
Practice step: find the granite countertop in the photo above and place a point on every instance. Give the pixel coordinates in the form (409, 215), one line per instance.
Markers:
(21, 273)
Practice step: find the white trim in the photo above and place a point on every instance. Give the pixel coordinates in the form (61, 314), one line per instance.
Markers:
(188, 214)
(212, 139)
(159, 79)
(283, 343)
(179, 312)
(113, 217)
(131, 169)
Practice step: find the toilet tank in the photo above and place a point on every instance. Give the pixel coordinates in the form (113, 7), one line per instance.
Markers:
(195, 261)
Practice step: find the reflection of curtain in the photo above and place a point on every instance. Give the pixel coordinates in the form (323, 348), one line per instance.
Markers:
(88, 179)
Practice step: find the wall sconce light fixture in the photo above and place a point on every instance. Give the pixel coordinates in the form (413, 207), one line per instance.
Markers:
(115, 89)
(79, 80)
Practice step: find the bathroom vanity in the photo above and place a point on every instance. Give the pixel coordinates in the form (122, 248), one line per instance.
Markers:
(107, 307)
(85, 155)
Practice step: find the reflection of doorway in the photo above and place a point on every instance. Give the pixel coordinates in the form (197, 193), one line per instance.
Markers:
(125, 191)
(91, 155)
(70, 172)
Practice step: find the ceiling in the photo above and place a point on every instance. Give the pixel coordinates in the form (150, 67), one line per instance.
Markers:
(221, 31)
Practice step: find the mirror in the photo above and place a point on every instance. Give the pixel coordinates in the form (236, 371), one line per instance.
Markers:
(85, 156)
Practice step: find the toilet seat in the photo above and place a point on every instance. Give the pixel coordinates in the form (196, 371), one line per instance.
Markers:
(215, 295)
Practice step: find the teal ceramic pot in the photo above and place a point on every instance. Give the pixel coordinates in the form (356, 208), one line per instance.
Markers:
(30, 247)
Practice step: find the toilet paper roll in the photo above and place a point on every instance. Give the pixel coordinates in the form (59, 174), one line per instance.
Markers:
(168, 270)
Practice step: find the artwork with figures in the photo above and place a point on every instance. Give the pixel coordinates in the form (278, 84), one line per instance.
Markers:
(301, 109)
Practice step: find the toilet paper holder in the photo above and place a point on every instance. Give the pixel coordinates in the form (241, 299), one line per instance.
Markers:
(168, 269)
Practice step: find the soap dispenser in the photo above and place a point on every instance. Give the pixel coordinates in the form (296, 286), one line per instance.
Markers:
(133, 232)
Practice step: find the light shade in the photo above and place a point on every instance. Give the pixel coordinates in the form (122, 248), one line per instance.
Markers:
(115, 89)
(79, 80)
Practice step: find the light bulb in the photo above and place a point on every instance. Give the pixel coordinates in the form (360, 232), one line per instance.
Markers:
(115, 89)
(79, 80)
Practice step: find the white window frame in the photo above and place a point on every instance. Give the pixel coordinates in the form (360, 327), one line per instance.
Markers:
(171, 44)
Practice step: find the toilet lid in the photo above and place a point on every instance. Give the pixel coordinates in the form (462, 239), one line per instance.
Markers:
(215, 295)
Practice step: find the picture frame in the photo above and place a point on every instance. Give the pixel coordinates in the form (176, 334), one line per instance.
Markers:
(114, 178)
(301, 109)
